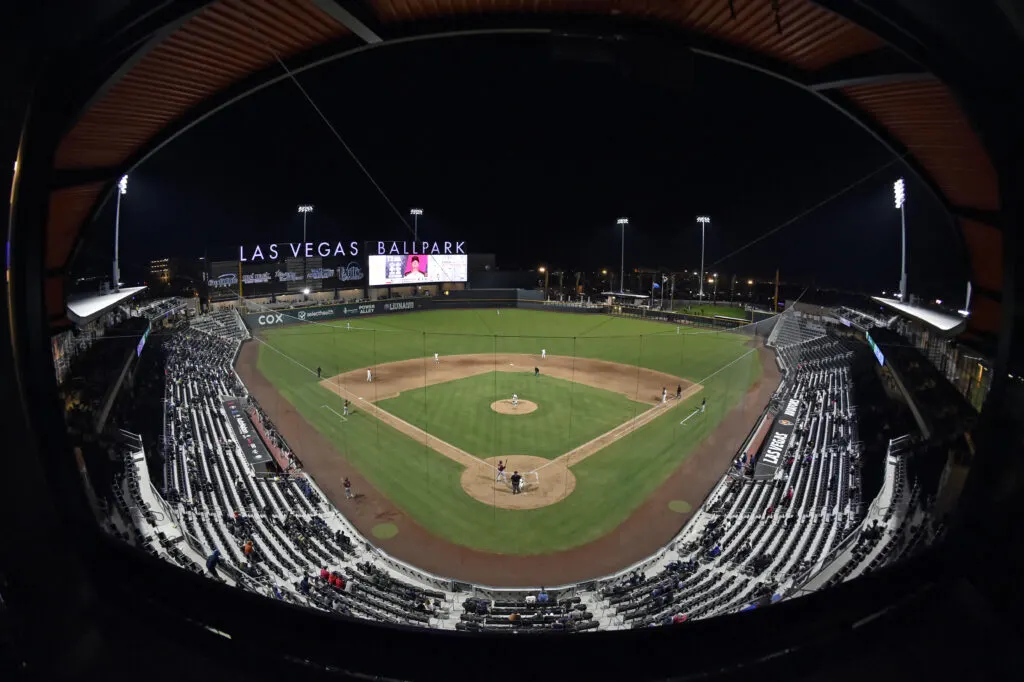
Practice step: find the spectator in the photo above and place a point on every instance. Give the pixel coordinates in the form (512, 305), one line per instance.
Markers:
(543, 596)
(324, 574)
(304, 585)
(212, 561)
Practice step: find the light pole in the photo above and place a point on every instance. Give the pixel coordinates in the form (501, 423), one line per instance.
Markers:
(305, 210)
(901, 199)
(703, 220)
(546, 274)
(622, 262)
(122, 188)
(415, 213)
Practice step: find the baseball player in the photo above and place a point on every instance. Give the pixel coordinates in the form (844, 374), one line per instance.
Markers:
(516, 480)
(679, 391)
(436, 359)
(348, 325)
(515, 400)
(369, 377)
(346, 408)
(317, 372)
(703, 404)
(664, 395)
(501, 472)
(543, 353)
(536, 371)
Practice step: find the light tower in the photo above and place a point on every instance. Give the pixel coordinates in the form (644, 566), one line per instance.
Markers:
(703, 220)
(622, 262)
(122, 188)
(900, 192)
(305, 210)
(415, 213)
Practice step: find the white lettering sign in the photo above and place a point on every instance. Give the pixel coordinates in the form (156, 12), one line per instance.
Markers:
(775, 447)
(260, 253)
(407, 248)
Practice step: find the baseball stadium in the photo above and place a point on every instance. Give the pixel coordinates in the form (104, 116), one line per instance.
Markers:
(290, 458)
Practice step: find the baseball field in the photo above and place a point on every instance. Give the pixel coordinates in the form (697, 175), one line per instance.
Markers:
(590, 434)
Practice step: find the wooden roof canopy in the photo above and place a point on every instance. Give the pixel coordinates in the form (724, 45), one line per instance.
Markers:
(220, 51)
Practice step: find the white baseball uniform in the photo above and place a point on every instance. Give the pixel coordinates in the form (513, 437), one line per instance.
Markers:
(436, 360)
(543, 353)
(501, 473)
(515, 400)
(369, 377)
(664, 395)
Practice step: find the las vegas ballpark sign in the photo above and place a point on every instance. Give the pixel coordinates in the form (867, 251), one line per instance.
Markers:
(270, 252)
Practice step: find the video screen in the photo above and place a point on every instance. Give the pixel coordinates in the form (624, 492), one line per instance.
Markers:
(404, 269)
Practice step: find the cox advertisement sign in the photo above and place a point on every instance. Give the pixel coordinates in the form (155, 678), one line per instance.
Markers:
(334, 312)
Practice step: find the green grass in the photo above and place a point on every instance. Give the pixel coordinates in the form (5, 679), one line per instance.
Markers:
(426, 485)
(460, 413)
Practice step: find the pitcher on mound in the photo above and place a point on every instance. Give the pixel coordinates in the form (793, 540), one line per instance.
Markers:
(515, 401)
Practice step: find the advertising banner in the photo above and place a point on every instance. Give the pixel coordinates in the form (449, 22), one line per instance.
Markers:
(245, 433)
(290, 275)
(774, 449)
(404, 269)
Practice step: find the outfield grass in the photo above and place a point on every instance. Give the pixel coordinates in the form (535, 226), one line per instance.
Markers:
(426, 485)
(459, 412)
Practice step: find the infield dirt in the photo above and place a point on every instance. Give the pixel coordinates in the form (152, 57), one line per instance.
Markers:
(391, 379)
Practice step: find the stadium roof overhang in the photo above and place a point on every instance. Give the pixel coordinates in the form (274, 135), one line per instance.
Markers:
(944, 323)
(185, 62)
(85, 309)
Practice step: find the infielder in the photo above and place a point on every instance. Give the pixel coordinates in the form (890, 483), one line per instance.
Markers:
(664, 394)
(501, 472)
(703, 404)
(436, 359)
(346, 408)
(515, 400)
(543, 353)
(369, 377)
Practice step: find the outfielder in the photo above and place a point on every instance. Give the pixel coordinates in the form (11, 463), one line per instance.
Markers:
(369, 377)
(436, 359)
(515, 400)
(703, 404)
(501, 472)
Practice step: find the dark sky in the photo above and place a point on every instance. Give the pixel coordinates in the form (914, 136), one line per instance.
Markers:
(534, 158)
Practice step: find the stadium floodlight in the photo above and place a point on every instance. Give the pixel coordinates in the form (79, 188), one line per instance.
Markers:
(703, 220)
(541, 269)
(305, 210)
(122, 186)
(750, 282)
(622, 261)
(306, 291)
(900, 193)
(938, 301)
(415, 213)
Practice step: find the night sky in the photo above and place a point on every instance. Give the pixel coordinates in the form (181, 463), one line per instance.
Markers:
(533, 158)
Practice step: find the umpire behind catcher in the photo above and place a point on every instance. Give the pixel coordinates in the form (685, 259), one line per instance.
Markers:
(516, 480)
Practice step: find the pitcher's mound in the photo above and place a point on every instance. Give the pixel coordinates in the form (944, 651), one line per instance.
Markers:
(551, 483)
(505, 407)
